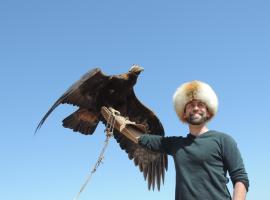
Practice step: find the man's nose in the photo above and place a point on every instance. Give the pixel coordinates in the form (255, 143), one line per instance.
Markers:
(195, 107)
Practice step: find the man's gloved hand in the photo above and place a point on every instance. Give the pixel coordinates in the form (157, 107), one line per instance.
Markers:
(128, 128)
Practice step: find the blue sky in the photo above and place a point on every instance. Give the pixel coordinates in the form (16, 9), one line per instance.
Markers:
(48, 45)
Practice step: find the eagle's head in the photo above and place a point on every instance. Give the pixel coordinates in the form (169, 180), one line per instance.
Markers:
(136, 69)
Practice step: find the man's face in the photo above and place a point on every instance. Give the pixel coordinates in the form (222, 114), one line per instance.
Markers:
(196, 112)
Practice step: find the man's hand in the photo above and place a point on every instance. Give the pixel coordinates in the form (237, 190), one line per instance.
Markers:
(129, 129)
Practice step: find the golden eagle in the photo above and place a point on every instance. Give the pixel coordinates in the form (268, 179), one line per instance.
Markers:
(94, 90)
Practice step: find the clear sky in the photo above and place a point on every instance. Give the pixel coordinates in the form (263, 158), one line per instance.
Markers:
(45, 46)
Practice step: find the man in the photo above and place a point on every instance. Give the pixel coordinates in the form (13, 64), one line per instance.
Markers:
(202, 158)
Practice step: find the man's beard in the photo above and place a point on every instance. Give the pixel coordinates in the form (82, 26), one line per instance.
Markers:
(197, 121)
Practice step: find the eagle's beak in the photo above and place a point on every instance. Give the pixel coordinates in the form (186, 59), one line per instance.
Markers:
(136, 69)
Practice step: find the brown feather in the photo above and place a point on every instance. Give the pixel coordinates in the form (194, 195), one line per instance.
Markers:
(83, 121)
(149, 176)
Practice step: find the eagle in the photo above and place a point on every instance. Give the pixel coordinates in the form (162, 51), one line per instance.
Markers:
(95, 90)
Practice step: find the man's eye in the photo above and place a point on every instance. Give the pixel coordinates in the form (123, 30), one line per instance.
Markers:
(201, 105)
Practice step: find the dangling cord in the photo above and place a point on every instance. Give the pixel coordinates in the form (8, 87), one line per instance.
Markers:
(109, 133)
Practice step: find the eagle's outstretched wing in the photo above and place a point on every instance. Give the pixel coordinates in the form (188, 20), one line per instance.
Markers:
(83, 94)
(152, 164)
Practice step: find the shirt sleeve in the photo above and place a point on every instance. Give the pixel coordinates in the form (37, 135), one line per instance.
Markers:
(234, 162)
(157, 143)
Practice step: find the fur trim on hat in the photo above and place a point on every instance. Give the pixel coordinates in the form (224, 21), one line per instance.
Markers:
(194, 90)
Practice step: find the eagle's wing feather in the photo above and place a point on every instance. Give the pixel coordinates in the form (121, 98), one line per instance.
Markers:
(81, 93)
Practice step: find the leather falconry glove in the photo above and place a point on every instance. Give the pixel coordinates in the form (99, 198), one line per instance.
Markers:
(128, 128)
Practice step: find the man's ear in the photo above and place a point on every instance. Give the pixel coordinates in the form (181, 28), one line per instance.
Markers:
(185, 114)
(208, 115)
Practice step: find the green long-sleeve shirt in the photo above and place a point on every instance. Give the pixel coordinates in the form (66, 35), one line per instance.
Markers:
(201, 164)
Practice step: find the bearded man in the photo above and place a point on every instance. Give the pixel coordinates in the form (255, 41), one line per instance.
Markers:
(203, 157)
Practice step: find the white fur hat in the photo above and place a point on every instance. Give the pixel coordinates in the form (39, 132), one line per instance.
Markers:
(194, 90)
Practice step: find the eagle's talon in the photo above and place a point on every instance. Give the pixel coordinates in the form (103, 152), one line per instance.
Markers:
(114, 112)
